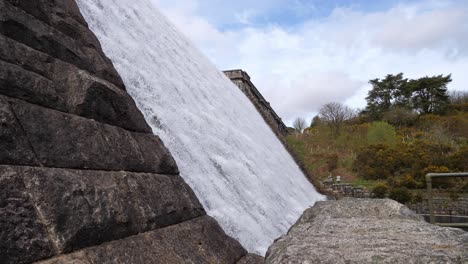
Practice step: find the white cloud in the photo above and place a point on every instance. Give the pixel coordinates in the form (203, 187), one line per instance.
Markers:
(302, 67)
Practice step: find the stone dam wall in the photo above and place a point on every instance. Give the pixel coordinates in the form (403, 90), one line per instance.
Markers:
(242, 80)
(82, 177)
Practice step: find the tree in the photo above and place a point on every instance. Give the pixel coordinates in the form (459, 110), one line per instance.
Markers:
(334, 115)
(424, 95)
(315, 121)
(299, 124)
(458, 97)
(429, 94)
(385, 94)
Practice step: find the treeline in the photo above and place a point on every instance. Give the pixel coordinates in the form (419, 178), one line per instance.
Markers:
(408, 128)
(426, 95)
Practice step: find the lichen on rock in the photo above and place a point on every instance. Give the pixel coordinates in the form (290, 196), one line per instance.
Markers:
(367, 231)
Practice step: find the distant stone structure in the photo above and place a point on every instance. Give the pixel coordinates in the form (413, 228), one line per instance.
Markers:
(242, 80)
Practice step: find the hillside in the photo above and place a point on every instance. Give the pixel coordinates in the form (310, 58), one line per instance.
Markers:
(393, 151)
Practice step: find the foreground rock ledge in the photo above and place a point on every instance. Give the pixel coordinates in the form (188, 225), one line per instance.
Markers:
(367, 231)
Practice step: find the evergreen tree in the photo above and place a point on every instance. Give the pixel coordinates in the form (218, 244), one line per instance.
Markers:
(385, 94)
(424, 95)
(429, 94)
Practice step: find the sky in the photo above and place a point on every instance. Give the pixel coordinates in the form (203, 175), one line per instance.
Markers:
(302, 54)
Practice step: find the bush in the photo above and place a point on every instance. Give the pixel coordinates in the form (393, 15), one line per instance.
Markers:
(401, 195)
(418, 198)
(408, 182)
(380, 191)
(400, 116)
(459, 159)
(332, 162)
(381, 133)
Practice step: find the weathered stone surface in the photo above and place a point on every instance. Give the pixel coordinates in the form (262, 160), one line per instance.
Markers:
(23, 238)
(197, 241)
(86, 208)
(14, 146)
(78, 257)
(367, 231)
(66, 88)
(65, 111)
(68, 141)
(19, 83)
(51, 11)
(38, 78)
(27, 29)
(242, 80)
(251, 259)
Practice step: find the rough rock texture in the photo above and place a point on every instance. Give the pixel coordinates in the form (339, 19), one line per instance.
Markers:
(14, 146)
(197, 241)
(367, 231)
(82, 177)
(23, 237)
(84, 208)
(251, 259)
(69, 141)
(39, 78)
(56, 27)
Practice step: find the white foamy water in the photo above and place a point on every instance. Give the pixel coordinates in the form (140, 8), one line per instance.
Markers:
(239, 170)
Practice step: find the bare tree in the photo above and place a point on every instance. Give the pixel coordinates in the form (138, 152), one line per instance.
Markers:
(299, 124)
(335, 114)
(458, 97)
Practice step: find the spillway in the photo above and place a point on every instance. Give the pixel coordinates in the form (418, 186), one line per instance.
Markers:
(237, 167)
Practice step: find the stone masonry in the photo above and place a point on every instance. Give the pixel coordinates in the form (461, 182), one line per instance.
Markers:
(82, 177)
(242, 80)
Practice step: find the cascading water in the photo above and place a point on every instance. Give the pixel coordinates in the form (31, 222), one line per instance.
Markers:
(225, 151)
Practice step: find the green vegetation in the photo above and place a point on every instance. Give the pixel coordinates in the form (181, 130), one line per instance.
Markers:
(381, 133)
(409, 128)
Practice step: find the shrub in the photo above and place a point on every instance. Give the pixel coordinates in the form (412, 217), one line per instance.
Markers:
(401, 195)
(459, 159)
(332, 162)
(408, 182)
(380, 191)
(400, 116)
(418, 198)
(381, 133)
(376, 162)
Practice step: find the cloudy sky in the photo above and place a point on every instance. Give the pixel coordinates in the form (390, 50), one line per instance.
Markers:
(302, 54)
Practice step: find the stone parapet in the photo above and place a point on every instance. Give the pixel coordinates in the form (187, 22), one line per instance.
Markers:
(242, 80)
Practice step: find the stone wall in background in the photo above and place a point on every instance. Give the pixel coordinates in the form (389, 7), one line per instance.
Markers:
(242, 80)
(82, 177)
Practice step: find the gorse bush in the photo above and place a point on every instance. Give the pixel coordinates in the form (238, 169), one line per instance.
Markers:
(401, 195)
(406, 163)
(380, 191)
(409, 128)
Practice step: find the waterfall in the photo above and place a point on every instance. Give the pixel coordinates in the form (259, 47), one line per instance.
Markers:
(225, 151)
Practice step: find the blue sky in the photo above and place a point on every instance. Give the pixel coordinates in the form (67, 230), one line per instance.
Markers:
(285, 13)
(302, 54)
